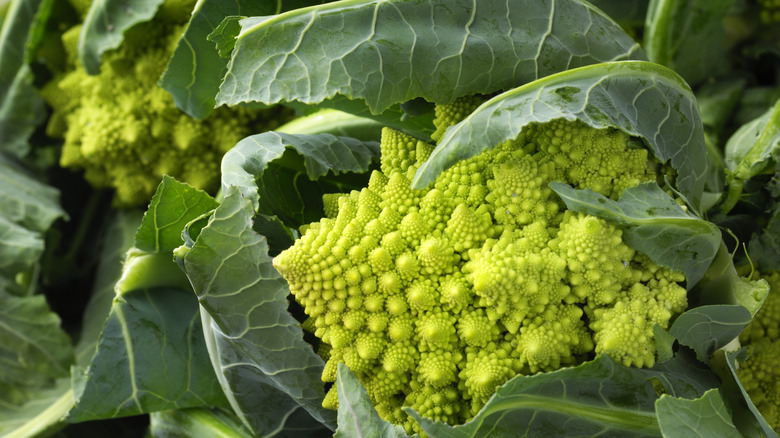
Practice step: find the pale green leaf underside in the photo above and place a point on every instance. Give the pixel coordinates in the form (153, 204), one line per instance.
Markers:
(265, 365)
(654, 224)
(390, 52)
(708, 328)
(322, 153)
(755, 147)
(151, 356)
(699, 418)
(642, 99)
(197, 422)
(357, 416)
(105, 24)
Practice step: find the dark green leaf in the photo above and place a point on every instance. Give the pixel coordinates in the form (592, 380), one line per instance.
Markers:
(172, 207)
(688, 36)
(24, 200)
(654, 224)
(357, 416)
(598, 398)
(625, 12)
(708, 328)
(642, 99)
(21, 109)
(372, 50)
(151, 356)
(683, 376)
(723, 285)
(105, 24)
(239, 289)
(700, 418)
(663, 343)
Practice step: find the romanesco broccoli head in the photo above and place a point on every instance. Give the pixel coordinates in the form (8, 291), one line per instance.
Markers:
(124, 130)
(435, 297)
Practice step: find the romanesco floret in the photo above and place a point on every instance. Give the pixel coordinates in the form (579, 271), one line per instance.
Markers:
(760, 374)
(435, 297)
(124, 130)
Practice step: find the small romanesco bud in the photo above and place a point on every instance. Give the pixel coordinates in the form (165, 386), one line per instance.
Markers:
(452, 113)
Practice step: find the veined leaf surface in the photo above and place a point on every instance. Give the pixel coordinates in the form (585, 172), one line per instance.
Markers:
(391, 52)
(641, 99)
(708, 328)
(268, 371)
(699, 418)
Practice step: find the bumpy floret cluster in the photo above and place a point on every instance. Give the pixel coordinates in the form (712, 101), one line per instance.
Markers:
(760, 374)
(770, 11)
(124, 131)
(435, 297)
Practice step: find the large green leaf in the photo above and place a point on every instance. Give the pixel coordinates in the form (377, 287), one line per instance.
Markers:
(700, 418)
(21, 110)
(154, 324)
(642, 99)
(654, 224)
(357, 416)
(688, 36)
(598, 398)
(196, 69)
(196, 422)
(26, 201)
(266, 368)
(151, 356)
(105, 24)
(286, 174)
(708, 328)
(391, 52)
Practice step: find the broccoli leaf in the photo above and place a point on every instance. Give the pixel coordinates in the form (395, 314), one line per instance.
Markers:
(43, 408)
(752, 150)
(153, 294)
(171, 208)
(21, 109)
(688, 37)
(391, 52)
(245, 303)
(151, 356)
(654, 224)
(589, 399)
(626, 12)
(105, 24)
(703, 417)
(708, 328)
(764, 247)
(267, 170)
(357, 416)
(642, 99)
(196, 68)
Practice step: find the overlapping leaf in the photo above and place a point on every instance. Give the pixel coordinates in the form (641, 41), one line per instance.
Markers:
(257, 347)
(105, 24)
(708, 328)
(654, 224)
(391, 52)
(642, 99)
(268, 169)
(357, 416)
(700, 418)
(153, 332)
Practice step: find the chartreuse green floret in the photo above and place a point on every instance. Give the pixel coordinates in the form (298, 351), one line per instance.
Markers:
(435, 297)
(124, 130)
(770, 11)
(760, 374)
